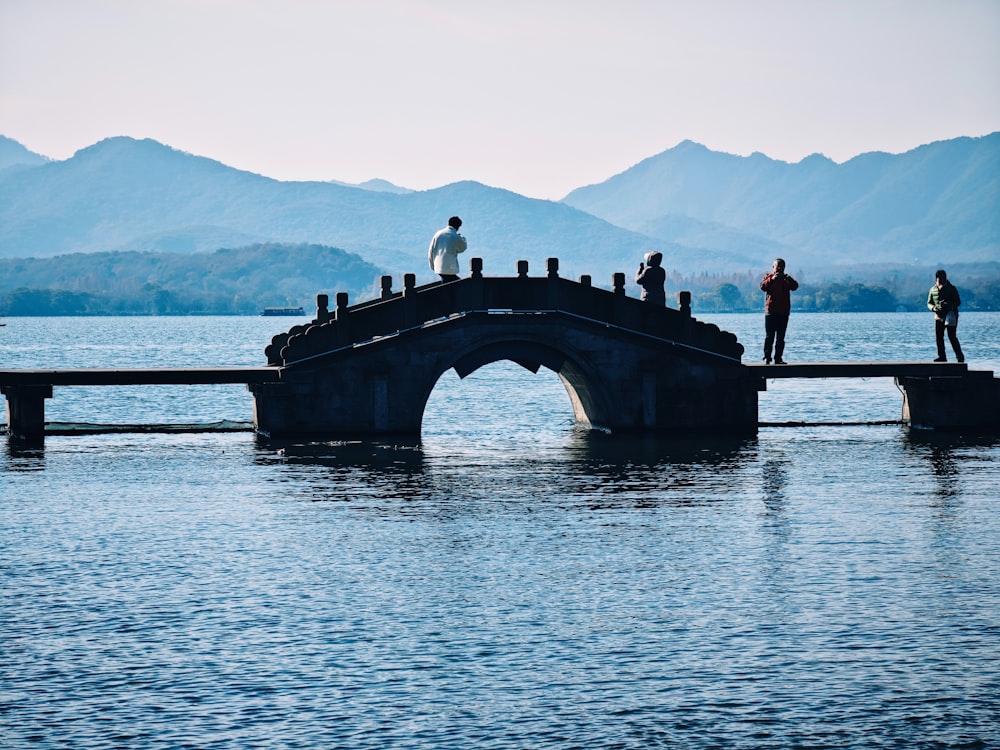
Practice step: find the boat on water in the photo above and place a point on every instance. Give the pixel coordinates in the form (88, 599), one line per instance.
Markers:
(275, 311)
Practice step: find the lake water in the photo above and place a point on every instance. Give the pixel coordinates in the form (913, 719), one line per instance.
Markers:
(509, 581)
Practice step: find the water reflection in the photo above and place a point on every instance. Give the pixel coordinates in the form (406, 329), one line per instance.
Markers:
(597, 448)
(399, 456)
(646, 471)
(774, 478)
(367, 471)
(584, 468)
(946, 453)
(952, 510)
(23, 456)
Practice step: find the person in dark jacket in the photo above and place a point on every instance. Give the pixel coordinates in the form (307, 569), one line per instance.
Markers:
(650, 277)
(943, 301)
(777, 287)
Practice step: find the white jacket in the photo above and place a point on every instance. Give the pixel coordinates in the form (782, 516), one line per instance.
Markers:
(442, 255)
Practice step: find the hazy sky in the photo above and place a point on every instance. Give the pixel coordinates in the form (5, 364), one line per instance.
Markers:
(536, 96)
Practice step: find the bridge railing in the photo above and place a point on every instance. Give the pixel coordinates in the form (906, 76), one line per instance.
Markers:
(415, 306)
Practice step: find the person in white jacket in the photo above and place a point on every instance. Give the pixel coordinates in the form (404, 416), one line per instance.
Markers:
(445, 247)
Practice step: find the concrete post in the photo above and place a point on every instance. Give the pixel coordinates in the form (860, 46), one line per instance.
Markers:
(386, 287)
(26, 411)
(971, 402)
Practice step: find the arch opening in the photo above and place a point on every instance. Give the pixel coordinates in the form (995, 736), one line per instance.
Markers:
(500, 403)
(496, 386)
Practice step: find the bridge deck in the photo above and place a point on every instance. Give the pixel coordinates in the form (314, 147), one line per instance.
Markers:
(140, 376)
(864, 370)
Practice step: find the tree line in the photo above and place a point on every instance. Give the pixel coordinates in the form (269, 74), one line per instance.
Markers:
(243, 281)
(239, 281)
(888, 290)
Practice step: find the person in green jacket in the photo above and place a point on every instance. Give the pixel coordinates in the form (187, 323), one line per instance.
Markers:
(943, 301)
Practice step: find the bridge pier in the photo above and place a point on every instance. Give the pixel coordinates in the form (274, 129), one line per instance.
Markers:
(26, 411)
(338, 403)
(968, 402)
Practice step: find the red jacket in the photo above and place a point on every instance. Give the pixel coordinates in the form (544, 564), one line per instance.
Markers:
(777, 289)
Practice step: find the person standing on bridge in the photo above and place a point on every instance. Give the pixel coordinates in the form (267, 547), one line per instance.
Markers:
(943, 301)
(777, 287)
(445, 247)
(650, 277)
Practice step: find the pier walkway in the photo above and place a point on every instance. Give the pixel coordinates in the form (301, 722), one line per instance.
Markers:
(28, 378)
(26, 390)
(864, 370)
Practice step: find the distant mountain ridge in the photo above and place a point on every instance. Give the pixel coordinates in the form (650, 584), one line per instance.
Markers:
(376, 185)
(13, 153)
(706, 211)
(122, 194)
(938, 202)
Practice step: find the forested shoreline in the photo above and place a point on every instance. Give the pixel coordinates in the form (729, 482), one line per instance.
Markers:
(724, 297)
(243, 281)
(239, 281)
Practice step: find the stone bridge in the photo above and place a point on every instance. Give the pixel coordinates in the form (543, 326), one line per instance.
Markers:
(627, 365)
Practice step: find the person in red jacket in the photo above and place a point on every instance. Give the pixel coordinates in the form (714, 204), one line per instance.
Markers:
(777, 287)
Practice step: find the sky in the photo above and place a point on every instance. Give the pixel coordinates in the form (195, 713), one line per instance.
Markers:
(534, 96)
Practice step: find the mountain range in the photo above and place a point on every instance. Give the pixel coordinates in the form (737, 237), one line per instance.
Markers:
(935, 203)
(707, 211)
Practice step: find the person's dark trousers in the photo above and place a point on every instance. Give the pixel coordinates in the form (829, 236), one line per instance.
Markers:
(774, 335)
(939, 329)
(445, 277)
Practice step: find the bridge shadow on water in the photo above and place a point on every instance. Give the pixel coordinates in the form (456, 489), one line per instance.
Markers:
(587, 467)
(580, 468)
(584, 448)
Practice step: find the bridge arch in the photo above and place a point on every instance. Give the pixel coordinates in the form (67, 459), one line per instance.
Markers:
(589, 396)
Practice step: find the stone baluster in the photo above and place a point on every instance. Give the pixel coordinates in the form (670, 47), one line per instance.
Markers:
(409, 300)
(618, 283)
(342, 316)
(619, 300)
(684, 303)
(473, 294)
(322, 309)
(552, 298)
(476, 268)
